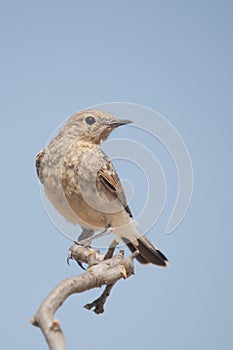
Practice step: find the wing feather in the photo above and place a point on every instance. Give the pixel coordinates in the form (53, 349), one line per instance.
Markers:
(109, 178)
(38, 160)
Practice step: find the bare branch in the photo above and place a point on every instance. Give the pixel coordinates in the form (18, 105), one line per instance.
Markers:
(100, 272)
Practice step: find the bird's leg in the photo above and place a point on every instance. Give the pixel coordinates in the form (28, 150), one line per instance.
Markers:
(84, 239)
(103, 233)
(87, 235)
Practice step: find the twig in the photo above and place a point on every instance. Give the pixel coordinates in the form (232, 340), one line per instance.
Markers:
(98, 304)
(111, 249)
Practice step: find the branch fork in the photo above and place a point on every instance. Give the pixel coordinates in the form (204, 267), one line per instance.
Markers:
(103, 269)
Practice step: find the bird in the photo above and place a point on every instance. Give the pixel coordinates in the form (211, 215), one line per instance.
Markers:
(82, 183)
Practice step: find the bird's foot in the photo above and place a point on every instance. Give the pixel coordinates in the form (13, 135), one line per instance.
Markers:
(85, 240)
(69, 257)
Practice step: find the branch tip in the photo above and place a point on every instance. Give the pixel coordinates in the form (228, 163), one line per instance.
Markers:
(123, 271)
(34, 322)
(136, 253)
(111, 249)
(91, 252)
(55, 326)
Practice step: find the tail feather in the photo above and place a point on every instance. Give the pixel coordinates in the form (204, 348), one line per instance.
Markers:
(148, 253)
(133, 248)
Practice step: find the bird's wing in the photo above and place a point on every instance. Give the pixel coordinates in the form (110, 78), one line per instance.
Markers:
(148, 253)
(38, 160)
(109, 178)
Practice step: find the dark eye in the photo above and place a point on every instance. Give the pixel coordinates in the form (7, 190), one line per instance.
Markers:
(90, 120)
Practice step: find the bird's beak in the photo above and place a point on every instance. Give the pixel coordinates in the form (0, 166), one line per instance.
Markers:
(118, 122)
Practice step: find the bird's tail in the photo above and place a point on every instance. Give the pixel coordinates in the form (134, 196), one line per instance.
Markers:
(148, 253)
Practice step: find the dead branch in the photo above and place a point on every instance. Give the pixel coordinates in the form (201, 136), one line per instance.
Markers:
(98, 304)
(102, 270)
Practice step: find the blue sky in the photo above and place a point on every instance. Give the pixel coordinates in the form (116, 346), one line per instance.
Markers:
(174, 57)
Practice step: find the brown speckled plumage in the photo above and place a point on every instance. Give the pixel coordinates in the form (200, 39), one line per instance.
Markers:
(83, 185)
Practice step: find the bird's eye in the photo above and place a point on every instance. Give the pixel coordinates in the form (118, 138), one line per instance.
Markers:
(90, 120)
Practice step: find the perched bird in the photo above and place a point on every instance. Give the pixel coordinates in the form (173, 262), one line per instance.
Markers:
(83, 185)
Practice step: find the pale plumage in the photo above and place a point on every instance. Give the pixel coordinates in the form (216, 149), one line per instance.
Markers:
(83, 185)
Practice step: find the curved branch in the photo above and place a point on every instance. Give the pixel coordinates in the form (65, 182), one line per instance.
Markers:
(100, 272)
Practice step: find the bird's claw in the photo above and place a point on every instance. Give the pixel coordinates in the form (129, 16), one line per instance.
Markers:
(80, 264)
(70, 257)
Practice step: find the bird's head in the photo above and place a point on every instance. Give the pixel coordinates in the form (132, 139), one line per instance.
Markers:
(92, 125)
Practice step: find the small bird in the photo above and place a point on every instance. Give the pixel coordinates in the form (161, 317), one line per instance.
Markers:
(83, 185)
